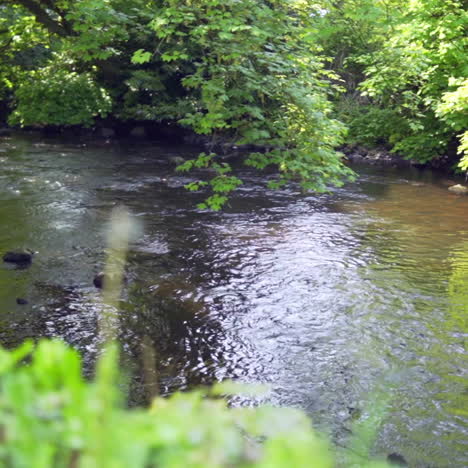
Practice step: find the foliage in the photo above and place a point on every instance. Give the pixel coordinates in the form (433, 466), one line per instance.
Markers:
(453, 109)
(369, 124)
(88, 38)
(415, 69)
(58, 97)
(51, 417)
(254, 77)
(348, 30)
(415, 78)
(22, 48)
(246, 71)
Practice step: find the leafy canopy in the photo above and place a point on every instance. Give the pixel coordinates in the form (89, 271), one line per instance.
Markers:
(248, 72)
(244, 71)
(257, 78)
(405, 70)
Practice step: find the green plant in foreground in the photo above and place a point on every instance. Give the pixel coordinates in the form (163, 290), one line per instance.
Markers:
(51, 417)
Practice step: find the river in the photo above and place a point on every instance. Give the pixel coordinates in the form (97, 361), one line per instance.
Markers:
(324, 297)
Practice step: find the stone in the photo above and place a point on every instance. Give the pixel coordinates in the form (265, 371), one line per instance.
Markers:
(98, 280)
(20, 256)
(459, 189)
(21, 301)
(396, 459)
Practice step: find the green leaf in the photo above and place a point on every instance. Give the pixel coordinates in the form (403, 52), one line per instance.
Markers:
(141, 56)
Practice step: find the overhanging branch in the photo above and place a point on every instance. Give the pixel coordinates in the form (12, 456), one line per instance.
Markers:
(43, 17)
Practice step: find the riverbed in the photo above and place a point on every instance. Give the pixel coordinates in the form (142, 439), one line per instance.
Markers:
(326, 298)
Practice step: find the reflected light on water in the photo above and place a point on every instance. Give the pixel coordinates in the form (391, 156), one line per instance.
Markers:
(320, 296)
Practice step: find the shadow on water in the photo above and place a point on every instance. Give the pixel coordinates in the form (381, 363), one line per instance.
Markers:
(321, 296)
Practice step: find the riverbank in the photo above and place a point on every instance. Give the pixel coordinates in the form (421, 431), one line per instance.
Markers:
(380, 156)
(169, 132)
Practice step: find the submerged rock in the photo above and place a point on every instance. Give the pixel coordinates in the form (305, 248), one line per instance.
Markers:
(459, 189)
(19, 256)
(397, 460)
(99, 280)
(107, 132)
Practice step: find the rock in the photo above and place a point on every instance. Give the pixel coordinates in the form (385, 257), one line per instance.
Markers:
(20, 256)
(397, 459)
(355, 157)
(21, 301)
(458, 189)
(98, 280)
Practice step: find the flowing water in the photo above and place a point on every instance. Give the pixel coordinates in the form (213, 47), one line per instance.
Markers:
(324, 297)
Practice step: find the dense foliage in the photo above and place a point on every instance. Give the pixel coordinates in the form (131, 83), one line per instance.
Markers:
(256, 78)
(417, 73)
(51, 417)
(247, 72)
(405, 68)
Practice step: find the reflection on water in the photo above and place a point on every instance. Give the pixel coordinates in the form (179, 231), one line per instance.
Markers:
(320, 296)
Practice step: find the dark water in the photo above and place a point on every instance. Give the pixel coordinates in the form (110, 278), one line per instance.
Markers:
(323, 297)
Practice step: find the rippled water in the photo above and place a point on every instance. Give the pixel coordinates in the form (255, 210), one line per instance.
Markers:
(324, 297)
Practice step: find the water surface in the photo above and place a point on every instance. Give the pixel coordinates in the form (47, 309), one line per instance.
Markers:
(324, 297)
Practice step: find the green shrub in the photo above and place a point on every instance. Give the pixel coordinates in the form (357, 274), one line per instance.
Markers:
(368, 124)
(51, 417)
(419, 73)
(55, 96)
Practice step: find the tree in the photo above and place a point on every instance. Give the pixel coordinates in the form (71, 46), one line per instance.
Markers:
(246, 70)
(407, 62)
(86, 55)
(253, 75)
(423, 61)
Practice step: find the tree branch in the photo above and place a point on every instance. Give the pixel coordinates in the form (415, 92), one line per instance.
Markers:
(43, 17)
(4, 47)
